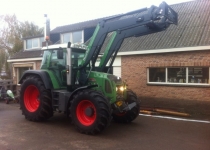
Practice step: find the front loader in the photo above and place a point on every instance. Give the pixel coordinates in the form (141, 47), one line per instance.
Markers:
(69, 80)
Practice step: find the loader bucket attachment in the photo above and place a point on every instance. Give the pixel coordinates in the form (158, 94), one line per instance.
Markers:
(168, 13)
(162, 17)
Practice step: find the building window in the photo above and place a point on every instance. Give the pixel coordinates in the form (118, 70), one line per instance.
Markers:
(77, 37)
(74, 37)
(34, 43)
(176, 75)
(179, 75)
(41, 40)
(28, 44)
(157, 75)
(66, 38)
(198, 75)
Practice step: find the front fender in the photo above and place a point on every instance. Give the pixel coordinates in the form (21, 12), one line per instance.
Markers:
(77, 90)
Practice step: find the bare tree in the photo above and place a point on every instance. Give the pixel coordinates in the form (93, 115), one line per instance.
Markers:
(11, 35)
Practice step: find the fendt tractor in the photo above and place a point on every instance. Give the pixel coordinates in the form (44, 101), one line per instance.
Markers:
(71, 81)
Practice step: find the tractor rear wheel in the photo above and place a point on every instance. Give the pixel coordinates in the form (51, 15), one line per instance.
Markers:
(35, 100)
(90, 112)
(130, 115)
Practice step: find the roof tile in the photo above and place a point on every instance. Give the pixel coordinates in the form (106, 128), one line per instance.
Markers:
(28, 54)
(76, 26)
(193, 29)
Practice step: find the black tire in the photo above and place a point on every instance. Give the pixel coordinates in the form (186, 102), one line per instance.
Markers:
(98, 112)
(129, 116)
(35, 100)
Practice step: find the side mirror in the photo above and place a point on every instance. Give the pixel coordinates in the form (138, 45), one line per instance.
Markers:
(60, 54)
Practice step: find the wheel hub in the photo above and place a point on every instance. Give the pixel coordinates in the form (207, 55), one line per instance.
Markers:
(89, 111)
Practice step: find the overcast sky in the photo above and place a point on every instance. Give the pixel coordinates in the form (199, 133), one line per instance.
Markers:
(63, 12)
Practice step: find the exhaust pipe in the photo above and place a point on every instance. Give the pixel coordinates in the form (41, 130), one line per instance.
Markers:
(47, 30)
(68, 64)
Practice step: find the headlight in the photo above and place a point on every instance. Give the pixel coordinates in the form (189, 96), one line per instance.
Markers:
(121, 88)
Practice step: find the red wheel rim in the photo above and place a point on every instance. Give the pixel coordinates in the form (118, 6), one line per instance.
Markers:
(31, 98)
(83, 118)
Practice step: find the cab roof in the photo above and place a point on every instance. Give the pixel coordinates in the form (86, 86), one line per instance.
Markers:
(75, 45)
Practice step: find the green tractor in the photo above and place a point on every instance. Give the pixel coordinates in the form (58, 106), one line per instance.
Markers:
(70, 82)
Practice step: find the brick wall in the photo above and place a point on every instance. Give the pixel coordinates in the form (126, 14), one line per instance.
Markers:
(134, 70)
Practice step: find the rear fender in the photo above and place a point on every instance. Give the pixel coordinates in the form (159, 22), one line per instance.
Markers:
(40, 73)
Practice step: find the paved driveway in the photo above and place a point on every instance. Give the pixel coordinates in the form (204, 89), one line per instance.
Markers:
(145, 133)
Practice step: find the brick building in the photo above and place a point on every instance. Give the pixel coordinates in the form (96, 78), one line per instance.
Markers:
(171, 69)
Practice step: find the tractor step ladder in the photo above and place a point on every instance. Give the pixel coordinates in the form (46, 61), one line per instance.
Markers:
(55, 99)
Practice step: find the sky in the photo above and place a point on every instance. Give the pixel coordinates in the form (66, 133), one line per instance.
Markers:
(64, 12)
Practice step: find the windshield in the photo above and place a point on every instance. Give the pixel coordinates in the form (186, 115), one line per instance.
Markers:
(52, 57)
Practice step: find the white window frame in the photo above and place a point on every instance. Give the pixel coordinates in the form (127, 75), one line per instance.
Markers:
(62, 39)
(71, 36)
(175, 84)
(39, 43)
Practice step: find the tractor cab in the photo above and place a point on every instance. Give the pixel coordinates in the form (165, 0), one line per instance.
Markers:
(55, 61)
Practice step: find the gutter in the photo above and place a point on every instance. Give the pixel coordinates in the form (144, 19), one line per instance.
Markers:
(182, 49)
(170, 50)
(24, 59)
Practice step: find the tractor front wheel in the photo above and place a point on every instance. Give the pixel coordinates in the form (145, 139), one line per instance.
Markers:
(90, 112)
(130, 115)
(35, 100)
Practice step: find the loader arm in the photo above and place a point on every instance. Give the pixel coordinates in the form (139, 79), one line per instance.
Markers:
(117, 37)
(158, 18)
(146, 20)
(116, 40)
